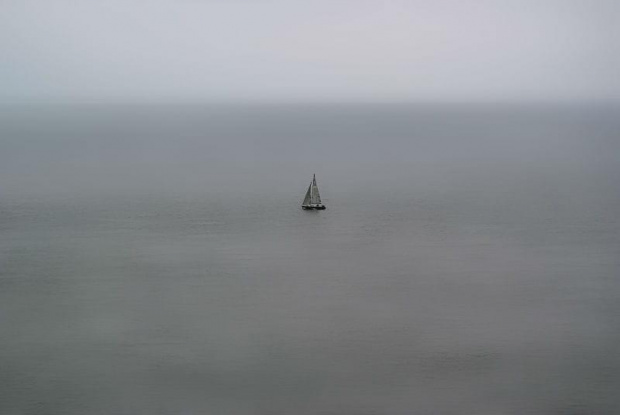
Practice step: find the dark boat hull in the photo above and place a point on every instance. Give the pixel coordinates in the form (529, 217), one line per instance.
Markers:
(321, 207)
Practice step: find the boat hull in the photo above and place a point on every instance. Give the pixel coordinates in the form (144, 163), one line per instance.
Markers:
(318, 207)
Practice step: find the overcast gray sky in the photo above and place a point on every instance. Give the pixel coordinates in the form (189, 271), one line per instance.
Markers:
(316, 50)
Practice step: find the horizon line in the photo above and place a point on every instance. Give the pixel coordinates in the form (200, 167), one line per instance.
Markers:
(303, 102)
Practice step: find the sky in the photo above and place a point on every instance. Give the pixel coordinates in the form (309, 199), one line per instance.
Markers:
(320, 50)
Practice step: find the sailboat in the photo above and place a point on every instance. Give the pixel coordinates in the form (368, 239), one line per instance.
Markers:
(312, 200)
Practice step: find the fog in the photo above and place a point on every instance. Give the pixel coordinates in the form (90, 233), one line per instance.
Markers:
(154, 257)
(198, 148)
(274, 50)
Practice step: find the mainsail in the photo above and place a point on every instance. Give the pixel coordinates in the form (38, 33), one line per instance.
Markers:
(315, 197)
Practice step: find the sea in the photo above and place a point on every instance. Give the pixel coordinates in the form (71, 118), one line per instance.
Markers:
(154, 259)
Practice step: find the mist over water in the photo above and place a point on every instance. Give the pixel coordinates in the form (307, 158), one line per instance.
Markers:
(155, 259)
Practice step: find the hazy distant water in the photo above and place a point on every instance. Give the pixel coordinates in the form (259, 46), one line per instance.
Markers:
(154, 260)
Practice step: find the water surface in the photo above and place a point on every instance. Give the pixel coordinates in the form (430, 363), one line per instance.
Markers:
(155, 260)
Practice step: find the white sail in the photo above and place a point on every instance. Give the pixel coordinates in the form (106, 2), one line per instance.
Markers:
(308, 197)
(315, 198)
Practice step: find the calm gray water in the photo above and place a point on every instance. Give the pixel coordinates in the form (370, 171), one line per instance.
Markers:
(154, 260)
